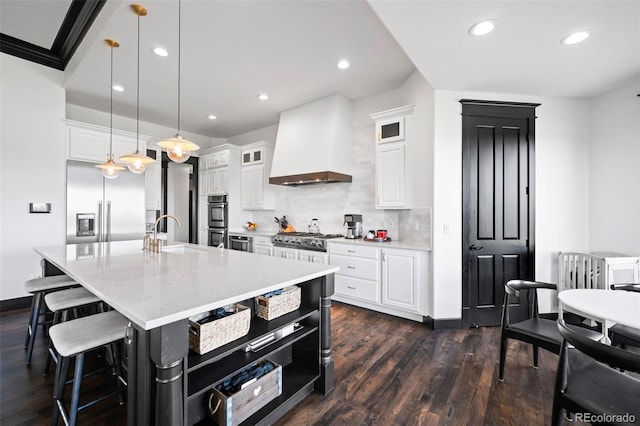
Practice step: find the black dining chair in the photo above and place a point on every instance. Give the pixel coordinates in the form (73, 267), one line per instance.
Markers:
(589, 384)
(622, 335)
(539, 332)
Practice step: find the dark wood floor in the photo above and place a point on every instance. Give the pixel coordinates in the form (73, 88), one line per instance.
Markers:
(389, 371)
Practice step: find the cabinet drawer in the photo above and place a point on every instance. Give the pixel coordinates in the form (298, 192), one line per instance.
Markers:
(368, 269)
(355, 250)
(357, 288)
(264, 241)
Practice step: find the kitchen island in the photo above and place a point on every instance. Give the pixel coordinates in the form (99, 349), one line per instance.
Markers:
(158, 292)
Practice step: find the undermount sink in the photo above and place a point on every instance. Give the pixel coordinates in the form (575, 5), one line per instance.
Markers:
(180, 249)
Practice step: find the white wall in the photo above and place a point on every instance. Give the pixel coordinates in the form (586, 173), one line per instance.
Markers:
(264, 134)
(562, 190)
(32, 168)
(614, 164)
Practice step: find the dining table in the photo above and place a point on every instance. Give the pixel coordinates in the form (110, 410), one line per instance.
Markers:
(608, 307)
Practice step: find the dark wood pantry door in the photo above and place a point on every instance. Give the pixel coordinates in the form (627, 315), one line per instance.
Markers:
(498, 172)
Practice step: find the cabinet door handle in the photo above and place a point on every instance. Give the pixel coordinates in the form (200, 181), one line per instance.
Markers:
(351, 251)
(351, 267)
(351, 287)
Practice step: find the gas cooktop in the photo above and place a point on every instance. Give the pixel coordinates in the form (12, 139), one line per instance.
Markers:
(303, 240)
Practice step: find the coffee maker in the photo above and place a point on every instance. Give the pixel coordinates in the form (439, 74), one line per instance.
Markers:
(354, 225)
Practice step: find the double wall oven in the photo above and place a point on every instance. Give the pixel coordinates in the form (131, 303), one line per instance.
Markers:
(218, 221)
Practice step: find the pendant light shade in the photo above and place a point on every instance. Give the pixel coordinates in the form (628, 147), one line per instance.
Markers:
(137, 162)
(110, 169)
(178, 148)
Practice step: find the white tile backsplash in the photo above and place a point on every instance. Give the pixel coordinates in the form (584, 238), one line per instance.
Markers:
(330, 202)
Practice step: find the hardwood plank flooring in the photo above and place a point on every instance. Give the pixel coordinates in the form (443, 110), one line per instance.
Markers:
(389, 371)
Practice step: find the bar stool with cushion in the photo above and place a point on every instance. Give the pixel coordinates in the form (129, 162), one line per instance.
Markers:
(39, 287)
(73, 339)
(61, 303)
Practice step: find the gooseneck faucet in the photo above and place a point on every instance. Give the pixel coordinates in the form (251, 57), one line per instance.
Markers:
(154, 244)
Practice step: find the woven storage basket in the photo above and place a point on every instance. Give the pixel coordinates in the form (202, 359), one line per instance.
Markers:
(275, 306)
(231, 410)
(206, 337)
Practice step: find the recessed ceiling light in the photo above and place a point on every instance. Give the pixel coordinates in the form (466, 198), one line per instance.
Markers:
(343, 64)
(575, 38)
(263, 96)
(483, 27)
(211, 117)
(160, 51)
(118, 88)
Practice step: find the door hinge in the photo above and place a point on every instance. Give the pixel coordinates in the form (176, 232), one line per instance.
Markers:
(526, 190)
(527, 243)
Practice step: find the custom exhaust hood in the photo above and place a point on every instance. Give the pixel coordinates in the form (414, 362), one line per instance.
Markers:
(313, 144)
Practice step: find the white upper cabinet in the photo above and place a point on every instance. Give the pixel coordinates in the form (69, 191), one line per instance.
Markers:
(87, 142)
(217, 180)
(218, 159)
(257, 193)
(393, 152)
(390, 176)
(390, 130)
(253, 156)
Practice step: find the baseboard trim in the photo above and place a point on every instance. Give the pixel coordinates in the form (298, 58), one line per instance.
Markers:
(443, 323)
(17, 303)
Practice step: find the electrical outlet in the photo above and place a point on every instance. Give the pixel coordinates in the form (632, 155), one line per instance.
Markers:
(445, 228)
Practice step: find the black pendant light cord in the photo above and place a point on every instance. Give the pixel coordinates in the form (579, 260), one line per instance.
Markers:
(179, 55)
(138, 93)
(111, 109)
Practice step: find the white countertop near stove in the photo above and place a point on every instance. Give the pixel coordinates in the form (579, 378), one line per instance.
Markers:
(387, 244)
(154, 289)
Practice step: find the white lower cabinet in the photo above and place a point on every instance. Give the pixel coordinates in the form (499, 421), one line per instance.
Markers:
(400, 279)
(313, 256)
(393, 281)
(262, 245)
(285, 253)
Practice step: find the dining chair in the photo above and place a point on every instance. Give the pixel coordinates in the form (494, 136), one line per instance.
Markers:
(589, 384)
(539, 332)
(622, 335)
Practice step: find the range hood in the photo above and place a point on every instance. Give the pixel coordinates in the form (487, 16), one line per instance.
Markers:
(313, 144)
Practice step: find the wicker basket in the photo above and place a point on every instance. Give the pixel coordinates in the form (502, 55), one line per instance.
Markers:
(231, 410)
(208, 336)
(275, 306)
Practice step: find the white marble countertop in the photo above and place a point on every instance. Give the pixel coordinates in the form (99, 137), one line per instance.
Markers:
(409, 245)
(154, 289)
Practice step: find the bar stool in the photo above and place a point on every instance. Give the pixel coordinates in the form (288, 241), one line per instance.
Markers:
(39, 287)
(60, 303)
(72, 339)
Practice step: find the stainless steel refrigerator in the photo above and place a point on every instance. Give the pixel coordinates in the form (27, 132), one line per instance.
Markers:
(101, 210)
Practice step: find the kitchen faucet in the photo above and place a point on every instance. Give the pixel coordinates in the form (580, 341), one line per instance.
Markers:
(154, 244)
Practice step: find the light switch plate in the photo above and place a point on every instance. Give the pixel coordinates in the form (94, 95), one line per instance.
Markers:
(39, 207)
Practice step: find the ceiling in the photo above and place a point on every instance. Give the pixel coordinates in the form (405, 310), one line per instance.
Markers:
(233, 50)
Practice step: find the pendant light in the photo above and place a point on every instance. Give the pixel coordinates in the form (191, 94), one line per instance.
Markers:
(110, 169)
(137, 162)
(178, 148)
